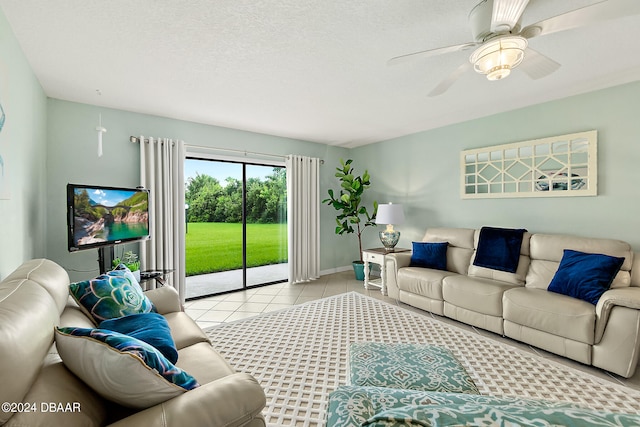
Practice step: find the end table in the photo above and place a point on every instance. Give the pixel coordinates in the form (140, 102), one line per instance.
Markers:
(378, 256)
(157, 275)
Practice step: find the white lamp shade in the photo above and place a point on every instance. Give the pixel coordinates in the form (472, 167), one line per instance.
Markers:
(390, 214)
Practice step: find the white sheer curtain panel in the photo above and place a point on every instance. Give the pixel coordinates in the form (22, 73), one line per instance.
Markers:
(303, 217)
(162, 173)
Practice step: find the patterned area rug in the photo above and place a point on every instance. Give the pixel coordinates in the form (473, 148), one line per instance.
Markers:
(299, 355)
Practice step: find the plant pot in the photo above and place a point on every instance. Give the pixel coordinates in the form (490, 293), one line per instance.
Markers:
(136, 274)
(358, 269)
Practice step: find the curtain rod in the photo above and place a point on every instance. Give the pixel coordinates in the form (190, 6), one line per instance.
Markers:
(137, 139)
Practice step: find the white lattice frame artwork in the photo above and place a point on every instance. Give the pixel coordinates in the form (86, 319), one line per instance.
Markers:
(558, 166)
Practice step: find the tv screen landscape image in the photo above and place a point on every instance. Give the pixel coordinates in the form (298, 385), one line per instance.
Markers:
(102, 216)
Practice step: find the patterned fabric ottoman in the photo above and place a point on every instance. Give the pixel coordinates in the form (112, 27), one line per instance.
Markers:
(408, 366)
(352, 406)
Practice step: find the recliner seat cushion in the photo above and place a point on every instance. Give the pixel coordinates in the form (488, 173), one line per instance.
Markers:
(550, 312)
(422, 281)
(475, 294)
(203, 363)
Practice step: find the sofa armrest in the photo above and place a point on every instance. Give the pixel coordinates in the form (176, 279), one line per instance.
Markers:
(230, 401)
(165, 299)
(401, 259)
(624, 297)
(395, 262)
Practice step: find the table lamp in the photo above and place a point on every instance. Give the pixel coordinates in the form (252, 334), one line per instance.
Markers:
(389, 214)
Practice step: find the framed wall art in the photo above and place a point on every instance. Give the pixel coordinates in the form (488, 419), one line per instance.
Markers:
(558, 166)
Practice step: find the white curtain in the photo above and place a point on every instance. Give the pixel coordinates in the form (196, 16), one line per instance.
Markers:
(303, 217)
(162, 173)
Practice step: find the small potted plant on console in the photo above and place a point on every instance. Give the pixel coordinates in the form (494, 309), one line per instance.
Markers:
(131, 261)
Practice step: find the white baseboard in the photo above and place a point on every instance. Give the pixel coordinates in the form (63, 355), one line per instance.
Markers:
(336, 270)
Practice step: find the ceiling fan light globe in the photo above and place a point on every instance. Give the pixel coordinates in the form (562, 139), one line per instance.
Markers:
(499, 72)
(497, 57)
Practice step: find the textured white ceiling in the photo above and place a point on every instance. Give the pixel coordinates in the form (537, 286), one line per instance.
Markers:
(305, 69)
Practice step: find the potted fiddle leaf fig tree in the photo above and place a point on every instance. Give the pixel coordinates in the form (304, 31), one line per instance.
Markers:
(353, 216)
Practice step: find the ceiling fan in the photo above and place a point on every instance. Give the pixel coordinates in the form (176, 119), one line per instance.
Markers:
(501, 44)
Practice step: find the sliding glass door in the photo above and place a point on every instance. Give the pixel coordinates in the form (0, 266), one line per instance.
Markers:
(266, 224)
(236, 226)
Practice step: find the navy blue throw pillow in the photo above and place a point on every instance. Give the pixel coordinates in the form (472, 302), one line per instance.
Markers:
(429, 255)
(585, 276)
(151, 328)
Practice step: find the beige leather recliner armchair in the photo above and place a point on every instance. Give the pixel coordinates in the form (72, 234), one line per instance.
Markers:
(35, 298)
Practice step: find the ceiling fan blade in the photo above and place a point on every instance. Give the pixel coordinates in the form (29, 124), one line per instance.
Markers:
(429, 53)
(588, 15)
(536, 65)
(444, 85)
(506, 14)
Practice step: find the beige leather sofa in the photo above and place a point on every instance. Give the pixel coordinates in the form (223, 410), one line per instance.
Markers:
(42, 392)
(518, 305)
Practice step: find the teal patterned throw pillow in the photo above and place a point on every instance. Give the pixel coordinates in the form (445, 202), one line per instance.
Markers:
(121, 368)
(111, 295)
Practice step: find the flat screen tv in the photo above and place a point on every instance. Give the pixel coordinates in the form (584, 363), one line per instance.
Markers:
(105, 216)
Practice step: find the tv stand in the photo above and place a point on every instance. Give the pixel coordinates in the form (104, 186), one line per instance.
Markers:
(106, 255)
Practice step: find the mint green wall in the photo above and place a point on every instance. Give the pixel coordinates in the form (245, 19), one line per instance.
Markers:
(72, 142)
(419, 170)
(422, 170)
(23, 149)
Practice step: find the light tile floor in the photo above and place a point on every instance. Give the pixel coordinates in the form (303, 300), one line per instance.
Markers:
(214, 310)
